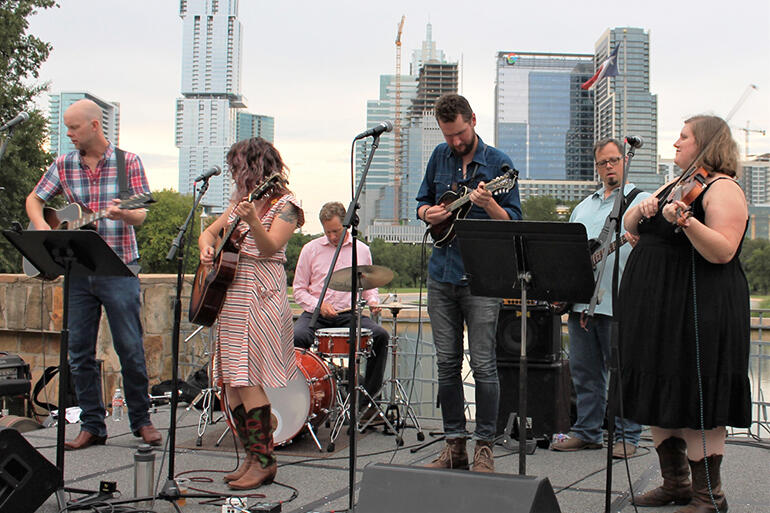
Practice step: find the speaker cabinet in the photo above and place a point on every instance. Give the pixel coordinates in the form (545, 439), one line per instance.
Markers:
(390, 488)
(548, 396)
(27, 479)
(543, 334)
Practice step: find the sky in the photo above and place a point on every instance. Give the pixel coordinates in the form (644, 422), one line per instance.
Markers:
(313, 65)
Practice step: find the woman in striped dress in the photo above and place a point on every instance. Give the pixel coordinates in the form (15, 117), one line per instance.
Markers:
(254, 329)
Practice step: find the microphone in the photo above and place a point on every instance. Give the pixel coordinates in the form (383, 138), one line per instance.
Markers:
(634, 141)
(385, 126)
(214, 171)
(20, 118)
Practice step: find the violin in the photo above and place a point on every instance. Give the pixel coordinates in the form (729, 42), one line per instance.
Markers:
(688, 189)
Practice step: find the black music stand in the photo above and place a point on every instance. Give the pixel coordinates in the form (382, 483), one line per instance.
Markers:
(529, 260)
(69, 253)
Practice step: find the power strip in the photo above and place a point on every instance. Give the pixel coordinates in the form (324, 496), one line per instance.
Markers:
(234, 505)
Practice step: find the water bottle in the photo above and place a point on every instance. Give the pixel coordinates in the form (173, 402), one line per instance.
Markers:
(118, 405)
(144, 471)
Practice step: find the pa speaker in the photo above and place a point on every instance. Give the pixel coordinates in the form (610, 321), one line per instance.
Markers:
(389, 488)
(543, 334)
(27, 479)
(548, 396)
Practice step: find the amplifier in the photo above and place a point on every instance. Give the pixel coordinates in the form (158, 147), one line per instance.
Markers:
(15, 377)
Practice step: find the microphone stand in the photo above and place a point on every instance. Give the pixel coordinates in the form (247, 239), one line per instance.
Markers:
(616, 218)
(351, 221)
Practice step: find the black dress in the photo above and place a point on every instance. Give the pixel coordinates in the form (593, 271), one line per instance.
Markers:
(658, 296)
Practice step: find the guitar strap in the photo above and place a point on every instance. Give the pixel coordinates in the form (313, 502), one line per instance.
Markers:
(120, 157)
(606, 228)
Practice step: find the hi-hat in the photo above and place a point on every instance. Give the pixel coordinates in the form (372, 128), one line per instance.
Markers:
(394, 306)
(369, 277)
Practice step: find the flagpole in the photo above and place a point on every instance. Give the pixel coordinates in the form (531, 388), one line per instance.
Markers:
(625, 87)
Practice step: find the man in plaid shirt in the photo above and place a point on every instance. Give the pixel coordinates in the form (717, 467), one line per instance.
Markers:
(89, 176)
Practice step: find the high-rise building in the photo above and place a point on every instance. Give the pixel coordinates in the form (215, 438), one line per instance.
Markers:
(211, 94)
(543, 119)
(755, 182)
(624, 105)
(57, 132)
(254, 125)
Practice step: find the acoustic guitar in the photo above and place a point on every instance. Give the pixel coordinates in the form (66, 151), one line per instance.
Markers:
(211, 282)
(75, 216)
(459, 204)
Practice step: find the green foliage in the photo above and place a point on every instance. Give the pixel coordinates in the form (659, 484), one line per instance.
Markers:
(403, 258)
(755, 258)
(292, 252)
(25, 160)
(156, 235)
(540, 208)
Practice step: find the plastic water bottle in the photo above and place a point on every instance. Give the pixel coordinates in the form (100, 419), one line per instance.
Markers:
(118, 405)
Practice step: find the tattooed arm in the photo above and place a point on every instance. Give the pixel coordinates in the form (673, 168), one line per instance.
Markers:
(270, 241)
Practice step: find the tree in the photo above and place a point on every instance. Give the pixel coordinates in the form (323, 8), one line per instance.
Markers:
(540, 208)
(755, 258)
(292, 252)
(161, 227)
(25, 160)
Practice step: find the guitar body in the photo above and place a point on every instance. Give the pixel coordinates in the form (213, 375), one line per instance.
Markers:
(444, 232)
(210, 286)
(57, 220)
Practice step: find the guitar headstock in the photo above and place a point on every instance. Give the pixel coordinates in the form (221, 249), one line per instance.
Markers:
(137, 201)
(266, 187)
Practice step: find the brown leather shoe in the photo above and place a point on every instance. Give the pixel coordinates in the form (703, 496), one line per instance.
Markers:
(618, 452)
(483, 459)
(454, 455)
(83, 440)
(149, 435)
(255, 477)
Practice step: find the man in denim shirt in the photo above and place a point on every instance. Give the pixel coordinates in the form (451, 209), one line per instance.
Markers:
(463, 160)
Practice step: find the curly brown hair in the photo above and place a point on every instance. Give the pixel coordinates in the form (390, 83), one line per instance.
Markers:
(449, 105)
(721, 154)
(251, 161)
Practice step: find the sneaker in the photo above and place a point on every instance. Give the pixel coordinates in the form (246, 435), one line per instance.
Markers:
(483, 459)
(574, 443)
(618, 453)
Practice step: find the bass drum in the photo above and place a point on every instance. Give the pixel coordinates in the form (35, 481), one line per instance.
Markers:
(308, 397)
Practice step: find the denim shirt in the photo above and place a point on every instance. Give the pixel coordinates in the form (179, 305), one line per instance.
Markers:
(445, 169)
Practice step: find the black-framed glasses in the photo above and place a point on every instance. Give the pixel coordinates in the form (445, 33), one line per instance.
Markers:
(612, 160)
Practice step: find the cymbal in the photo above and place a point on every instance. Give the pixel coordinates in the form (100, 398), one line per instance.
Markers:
(370, 277)
(395, 306)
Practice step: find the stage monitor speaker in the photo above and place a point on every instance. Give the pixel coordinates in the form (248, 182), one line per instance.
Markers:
(548, 396)
(543, 334)
(389, 488)
(27, 479)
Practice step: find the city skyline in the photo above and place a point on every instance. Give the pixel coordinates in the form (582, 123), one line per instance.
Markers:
(314, 78)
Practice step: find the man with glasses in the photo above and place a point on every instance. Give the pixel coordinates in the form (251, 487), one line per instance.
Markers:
(590, 336)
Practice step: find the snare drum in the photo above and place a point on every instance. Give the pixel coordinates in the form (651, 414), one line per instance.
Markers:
(335, 341)
(308, 397)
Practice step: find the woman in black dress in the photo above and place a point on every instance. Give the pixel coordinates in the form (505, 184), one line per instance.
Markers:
(684, 320)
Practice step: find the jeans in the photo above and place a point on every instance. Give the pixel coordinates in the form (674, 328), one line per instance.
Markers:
(589, 356)
(375, 363)
(450, 307)
(120, 297)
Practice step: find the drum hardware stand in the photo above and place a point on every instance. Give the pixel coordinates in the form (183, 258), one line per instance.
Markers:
(206, 395)
(398, 400)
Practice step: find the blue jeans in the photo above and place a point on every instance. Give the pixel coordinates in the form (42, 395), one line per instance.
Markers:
(120, 297)
(450, 307)
(589, 356)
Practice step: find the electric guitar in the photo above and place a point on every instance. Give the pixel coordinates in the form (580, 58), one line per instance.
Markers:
(75, 216)
(212, 281)
(459, 205)
(597, 255)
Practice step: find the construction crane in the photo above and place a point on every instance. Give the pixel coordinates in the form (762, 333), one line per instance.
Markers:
(397, 148)
(746, 132)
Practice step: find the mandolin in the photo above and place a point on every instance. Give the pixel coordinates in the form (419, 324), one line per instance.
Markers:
(211, 282)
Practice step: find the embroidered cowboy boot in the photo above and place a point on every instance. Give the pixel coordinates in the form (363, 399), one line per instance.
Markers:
(239, 426)
(259, 435)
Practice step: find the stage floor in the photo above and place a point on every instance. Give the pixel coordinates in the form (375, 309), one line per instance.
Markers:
(321, 478)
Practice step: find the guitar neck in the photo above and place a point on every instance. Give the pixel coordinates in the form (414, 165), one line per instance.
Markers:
(597, 256)
(465, 198)
(87, 219)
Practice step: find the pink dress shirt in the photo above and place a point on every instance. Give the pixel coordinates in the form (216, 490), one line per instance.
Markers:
(312, 266)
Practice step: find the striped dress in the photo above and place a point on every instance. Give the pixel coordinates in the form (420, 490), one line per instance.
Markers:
(255, 334)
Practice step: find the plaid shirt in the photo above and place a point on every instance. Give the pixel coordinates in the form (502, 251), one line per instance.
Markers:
(95, 190)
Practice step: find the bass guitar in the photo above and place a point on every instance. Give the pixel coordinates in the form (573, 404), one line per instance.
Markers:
(459, 204)
(75, 216)
(212, 281)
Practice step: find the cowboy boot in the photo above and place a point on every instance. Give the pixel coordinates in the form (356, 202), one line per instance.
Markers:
(259, 435)
(701, 498)
(239, 426)
(676, 476)
(454, 455)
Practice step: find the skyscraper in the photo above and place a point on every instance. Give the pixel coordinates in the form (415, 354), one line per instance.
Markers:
(543, 119)
(211, 93)
(624, 105)
(58, 103)
(254, 125)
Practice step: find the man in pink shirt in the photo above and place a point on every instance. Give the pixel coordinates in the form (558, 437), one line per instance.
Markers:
(309, 276)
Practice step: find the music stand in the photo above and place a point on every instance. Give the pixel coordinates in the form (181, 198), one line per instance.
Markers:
(546, 261)
(68, 253)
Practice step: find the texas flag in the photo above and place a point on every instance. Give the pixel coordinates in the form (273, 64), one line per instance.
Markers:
(609, 68)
